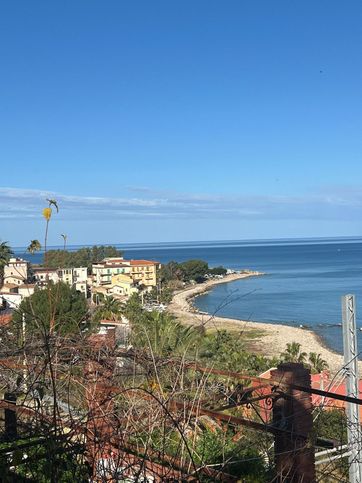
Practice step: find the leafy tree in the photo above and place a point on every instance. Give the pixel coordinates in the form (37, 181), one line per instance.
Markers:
(293, 353)
(171, 271)
(34, 246)
(5, 255)
(164, 296)
(84, 257)
(217, 271)
(332, 424)
(186, 271)
(59, 305)
(226, 350)
(195, 270)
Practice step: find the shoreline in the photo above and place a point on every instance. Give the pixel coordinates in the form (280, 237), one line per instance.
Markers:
(274, 337)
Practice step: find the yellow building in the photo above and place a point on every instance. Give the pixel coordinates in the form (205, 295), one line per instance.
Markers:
(144, 272)
(123, 284)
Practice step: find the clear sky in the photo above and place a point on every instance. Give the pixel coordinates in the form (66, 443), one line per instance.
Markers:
(180, 120)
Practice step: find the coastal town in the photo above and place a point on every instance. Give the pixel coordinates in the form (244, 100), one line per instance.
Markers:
(113, 276)
(181, 242)
(124, 300)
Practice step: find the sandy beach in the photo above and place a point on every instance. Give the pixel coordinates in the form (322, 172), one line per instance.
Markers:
(271, 339)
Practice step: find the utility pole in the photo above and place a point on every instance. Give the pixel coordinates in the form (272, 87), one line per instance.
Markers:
(352, 387)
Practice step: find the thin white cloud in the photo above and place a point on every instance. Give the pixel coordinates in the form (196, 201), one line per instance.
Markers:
(16, 203)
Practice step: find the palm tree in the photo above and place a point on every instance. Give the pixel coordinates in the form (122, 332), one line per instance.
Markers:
(47, 213)
(54, 203)
(5, 255)
(293, 353)
(317, 364)
(111, 309)
(163, 334)
(34, 246)
(64, 236)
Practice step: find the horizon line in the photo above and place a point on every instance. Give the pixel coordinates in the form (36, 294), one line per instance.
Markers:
(189, 242)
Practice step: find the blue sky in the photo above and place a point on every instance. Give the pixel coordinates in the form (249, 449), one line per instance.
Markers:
(183, 120)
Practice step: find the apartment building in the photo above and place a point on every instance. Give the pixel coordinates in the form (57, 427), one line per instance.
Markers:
(75, 276)
(43, 275)
(142, 272)
(104, 271)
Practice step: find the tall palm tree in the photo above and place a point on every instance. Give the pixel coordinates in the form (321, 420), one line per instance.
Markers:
(317, 364)
(64, 236)
(34, 246)
(5, 255)
(293, 353)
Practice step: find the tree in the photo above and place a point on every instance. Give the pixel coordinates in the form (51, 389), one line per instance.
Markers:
(317, 364)
(34, 246)
(171, 271)
(5, 255)
(58, 305)
(84, 257)
(133, 308)
(163, 296)
(162, 334)
(293, 353)
(195, 270)
(218, 271)
(226, 350)
(111, 309)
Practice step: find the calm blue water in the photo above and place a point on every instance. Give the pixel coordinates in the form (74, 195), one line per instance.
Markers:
(303, 284)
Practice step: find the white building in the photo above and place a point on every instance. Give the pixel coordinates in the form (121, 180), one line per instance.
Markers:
(13, 280)
(26, 289)
(76, 277)
(43, 275)
(105, 270)
(16, 267)
(10, 300)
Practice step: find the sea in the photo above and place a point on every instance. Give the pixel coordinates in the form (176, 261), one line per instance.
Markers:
(302, 285)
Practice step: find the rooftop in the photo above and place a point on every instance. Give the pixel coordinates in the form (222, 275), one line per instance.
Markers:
(17, 260)
(143, 262)
(43, 269)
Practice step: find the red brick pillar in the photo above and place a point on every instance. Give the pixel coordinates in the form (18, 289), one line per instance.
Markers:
(100, 418)
(294, 449)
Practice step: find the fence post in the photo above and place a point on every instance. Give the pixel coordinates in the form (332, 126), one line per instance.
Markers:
(11, 430)
(294, 449)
